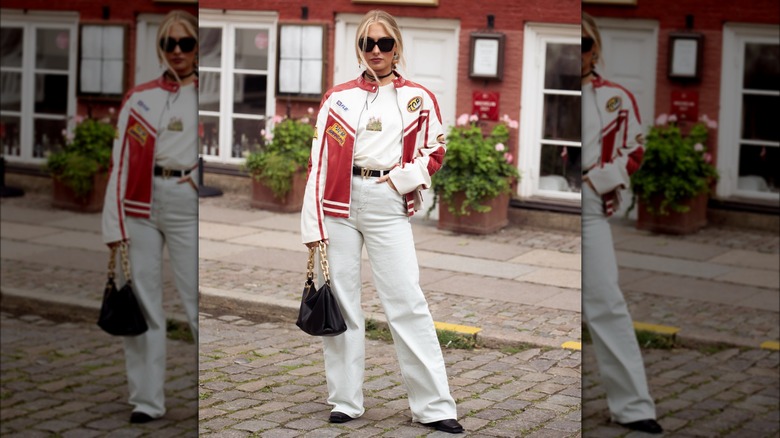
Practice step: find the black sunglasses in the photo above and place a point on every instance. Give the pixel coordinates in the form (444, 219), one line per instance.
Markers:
(186, 44)
(587, 44)
(385, 44)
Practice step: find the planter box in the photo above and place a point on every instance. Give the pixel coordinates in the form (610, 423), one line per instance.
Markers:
(64, 197)
(292, 202)
(476, 223)
(675, 223)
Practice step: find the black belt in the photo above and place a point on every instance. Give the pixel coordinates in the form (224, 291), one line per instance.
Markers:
(167, 173)
(365, 173)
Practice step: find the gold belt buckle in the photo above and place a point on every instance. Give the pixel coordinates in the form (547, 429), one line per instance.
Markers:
(167, 173)
(365, 173)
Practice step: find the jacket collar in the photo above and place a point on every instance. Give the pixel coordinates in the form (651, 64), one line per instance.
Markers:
(363, 84)
(171, 86)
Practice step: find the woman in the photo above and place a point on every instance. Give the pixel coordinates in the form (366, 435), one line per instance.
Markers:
(378, 141)
(151, 200)
(612, 150)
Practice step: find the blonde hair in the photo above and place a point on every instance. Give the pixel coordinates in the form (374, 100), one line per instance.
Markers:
(591, 28)
(190, 23)
(391, 27)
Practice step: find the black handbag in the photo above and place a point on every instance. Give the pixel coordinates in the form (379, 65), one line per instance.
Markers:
(120, 314)
(319, 314)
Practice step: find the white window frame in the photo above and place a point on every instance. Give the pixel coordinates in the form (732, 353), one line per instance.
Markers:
(31, 21)
(536, 37)
(146, 51)
(229, 21)
(735, 36)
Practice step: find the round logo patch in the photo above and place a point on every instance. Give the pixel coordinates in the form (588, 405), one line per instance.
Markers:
(414, 104)
(613, 104)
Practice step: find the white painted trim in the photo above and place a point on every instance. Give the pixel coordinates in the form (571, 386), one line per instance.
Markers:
(735, 35)
(29, 22)
(229, 22)
(536, 37)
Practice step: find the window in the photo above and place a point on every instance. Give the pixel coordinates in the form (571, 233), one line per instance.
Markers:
(37, 83)
(236, 82)
(301, 50)
(550, 121)
(748, 134)
(102, 68)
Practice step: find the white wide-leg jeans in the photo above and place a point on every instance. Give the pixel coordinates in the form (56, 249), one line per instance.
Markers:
(173, 221)
(378, 219)
(604, 309)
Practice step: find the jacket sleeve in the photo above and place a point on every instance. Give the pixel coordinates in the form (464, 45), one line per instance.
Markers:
(114, 225)
(627, 157)
(312, 219)
(429, 152)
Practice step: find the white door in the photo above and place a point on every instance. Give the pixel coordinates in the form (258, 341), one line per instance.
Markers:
(431, 52)
(147, 66)
(629, 59)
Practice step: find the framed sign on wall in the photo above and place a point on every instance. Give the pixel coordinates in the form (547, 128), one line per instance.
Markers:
(486, 57)
(685, 54)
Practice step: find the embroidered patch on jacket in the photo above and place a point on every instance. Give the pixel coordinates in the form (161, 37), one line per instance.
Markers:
(337, 132)
(143, 105)
(414, 104)
(175, 124)
(139, 133)
(316, 135)
(374, 124)
(613, 104)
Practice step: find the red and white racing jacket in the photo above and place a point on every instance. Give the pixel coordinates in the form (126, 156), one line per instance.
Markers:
(329, 184)
(621, 141)
(129, 190)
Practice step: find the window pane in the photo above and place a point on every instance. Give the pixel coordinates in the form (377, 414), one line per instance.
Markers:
(11, 46)
(246, 137)
(52, 49)
(252, 49)
(210, 47)
(208, 132)
(249, 94)
(208, 91)
(762, 66)
(9, 135)
(11, 91)
(560, 169)
(562, 118)
(562, 67)
(47, 136)
(51, 93)
(758, 169)
(759, 118)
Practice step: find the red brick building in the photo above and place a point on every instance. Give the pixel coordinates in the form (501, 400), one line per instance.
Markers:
(735, 82)
(67, 58)
(275, 57)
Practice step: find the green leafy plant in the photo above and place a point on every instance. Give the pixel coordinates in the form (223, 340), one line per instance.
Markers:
(87, 151)
(676, 166)
(477, 165)
(285, 152)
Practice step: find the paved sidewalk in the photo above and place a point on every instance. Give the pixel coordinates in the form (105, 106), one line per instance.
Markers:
(67, 379)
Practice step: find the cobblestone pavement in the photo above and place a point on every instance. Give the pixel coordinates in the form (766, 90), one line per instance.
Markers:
(268, 380)
(731, 393)
(65, 379)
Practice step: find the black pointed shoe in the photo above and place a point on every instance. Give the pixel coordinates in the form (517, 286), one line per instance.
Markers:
(140, 417)
(449, 426)
(646, 426)
(339, 417)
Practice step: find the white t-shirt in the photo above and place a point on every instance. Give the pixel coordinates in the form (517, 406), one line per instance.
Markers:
(177, 131)
(591, 128)
(378, 144)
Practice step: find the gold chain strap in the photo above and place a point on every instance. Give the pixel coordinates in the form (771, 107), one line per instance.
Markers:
(310, 265)
(324, 261)
(125, 261)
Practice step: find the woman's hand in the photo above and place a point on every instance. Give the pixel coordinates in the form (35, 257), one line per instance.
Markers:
(386, 178)
(113, 245)
(187, 179)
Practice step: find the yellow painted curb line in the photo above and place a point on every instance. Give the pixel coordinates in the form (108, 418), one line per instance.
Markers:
(571, 345)
(770, 345)
(655, 328)
(463, 329)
